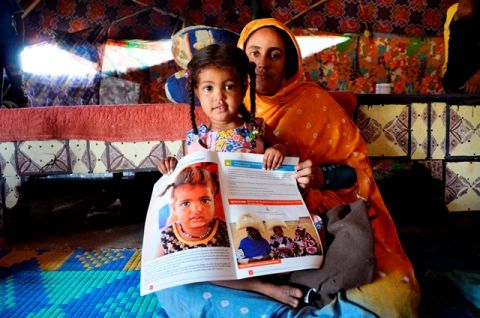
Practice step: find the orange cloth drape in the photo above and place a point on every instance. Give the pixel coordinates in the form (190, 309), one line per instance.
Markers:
(316, 127)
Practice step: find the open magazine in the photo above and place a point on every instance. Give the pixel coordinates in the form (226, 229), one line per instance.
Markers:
(220, 216)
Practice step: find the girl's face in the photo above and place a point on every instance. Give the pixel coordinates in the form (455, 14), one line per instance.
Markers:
(194, 205)
(265, 47)
(220, 94)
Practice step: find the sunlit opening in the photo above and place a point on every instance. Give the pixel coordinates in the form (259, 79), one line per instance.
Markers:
(312, 44)
(50, 59)
(121, 56)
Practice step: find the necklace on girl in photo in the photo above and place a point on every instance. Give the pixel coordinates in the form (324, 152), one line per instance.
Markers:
(204, 235)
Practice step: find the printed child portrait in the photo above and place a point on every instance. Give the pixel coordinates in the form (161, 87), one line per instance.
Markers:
(191, 215)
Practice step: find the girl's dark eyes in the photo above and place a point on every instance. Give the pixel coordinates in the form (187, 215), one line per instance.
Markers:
(207, 88)
(228, 87)
(185, 204)
(205, 200)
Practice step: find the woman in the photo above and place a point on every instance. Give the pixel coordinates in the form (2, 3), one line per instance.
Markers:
(461, 70)
(282, 246)
(306, 244)
(253, 247)
(319, 131)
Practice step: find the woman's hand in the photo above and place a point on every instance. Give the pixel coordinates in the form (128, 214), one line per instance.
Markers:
(167, 165)
(472, 85)
(307, 175)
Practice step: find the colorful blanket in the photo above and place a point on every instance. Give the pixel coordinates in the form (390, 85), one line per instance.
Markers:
(72, 283)
(105, 283)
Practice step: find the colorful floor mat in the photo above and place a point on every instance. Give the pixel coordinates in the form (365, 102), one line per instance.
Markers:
(72, 283)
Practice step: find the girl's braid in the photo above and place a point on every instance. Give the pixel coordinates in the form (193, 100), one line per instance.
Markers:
(191, 98)
(253, 83)
(191, 84)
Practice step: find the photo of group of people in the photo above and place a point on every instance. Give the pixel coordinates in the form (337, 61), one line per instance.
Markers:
(274, 238)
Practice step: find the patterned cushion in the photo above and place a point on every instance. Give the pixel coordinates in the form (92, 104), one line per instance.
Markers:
(184, 44)
(191, 39)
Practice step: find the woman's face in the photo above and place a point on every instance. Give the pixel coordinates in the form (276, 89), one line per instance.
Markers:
(278, 230)
(266, 49)
(220, 94)
(253, 233)
(194, 205)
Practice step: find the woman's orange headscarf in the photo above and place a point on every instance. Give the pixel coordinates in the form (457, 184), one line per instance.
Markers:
(314, 126)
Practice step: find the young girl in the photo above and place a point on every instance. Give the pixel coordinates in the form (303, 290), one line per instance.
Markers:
(219, 75)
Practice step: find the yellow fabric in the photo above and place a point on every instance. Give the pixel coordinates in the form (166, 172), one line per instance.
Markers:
(446, 33)
(313, 125)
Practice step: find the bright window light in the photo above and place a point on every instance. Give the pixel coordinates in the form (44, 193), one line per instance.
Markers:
(121, 56)
(312, 44)
(50, 59)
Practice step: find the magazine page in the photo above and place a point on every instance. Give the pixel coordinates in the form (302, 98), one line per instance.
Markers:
(185, 236)
(271, 228)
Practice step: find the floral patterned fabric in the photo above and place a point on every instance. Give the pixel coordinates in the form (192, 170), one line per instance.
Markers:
(334, 68)
(241, 139)
(412, 64)
(414, 18)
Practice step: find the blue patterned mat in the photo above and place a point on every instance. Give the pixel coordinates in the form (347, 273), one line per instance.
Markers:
(72, 283)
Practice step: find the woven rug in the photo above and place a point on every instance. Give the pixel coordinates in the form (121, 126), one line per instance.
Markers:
(72, 283)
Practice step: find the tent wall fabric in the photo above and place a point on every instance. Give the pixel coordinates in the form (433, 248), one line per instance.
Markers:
(415, 18)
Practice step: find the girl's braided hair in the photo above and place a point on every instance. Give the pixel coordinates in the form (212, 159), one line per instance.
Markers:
(225, 57)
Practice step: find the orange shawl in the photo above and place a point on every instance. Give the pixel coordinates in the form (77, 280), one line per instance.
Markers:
(316, 127)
